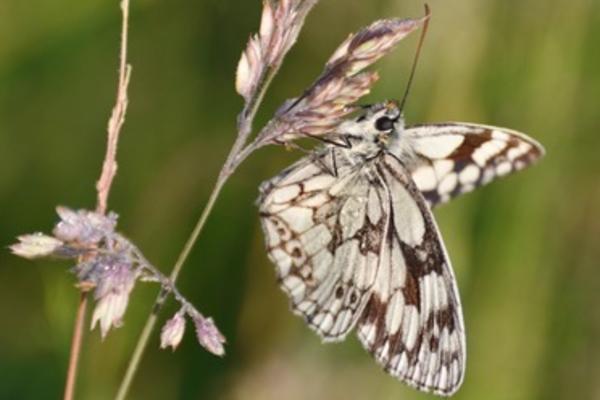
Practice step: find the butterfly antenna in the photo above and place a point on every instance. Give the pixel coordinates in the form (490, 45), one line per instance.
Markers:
(416, 59)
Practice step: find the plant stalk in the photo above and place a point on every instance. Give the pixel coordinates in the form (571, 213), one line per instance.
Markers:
(76, 342)
(103, 185)
(237, 155)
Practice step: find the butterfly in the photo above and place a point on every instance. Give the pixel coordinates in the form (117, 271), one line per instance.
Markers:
(355, 244)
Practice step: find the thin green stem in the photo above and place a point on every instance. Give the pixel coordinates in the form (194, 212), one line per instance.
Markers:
(150, 324)
(237, 155)
(249, 112)
(137, 355)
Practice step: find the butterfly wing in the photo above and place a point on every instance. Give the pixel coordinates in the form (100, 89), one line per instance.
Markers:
(322, 220)
(412, 323)
(454, 158)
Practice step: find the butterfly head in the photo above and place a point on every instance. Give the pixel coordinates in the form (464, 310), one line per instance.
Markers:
(381, 122)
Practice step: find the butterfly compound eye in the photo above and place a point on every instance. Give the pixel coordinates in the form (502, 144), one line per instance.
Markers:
(384, 124)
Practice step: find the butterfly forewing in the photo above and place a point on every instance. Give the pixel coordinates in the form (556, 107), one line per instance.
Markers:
(412, 323)
(454, 158)
(322, 219)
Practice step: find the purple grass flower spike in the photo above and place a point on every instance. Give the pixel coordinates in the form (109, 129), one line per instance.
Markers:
(322, 107)
(83, 226)
(114, 285)
(208, 335)
(36, 245)
(172, 332)
(110, 265)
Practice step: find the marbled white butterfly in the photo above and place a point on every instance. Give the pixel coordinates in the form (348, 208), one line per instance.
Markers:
(351, 232)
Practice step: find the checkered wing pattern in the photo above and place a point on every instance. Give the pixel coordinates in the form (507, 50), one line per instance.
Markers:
(454, 158)
(412, 323)
(323, 222)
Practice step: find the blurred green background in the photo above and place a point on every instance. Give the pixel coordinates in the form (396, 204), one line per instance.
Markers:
(525, 249)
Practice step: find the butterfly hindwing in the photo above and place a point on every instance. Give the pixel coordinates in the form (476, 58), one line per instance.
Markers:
(412, 323)
(320, 219)
(454, 158)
